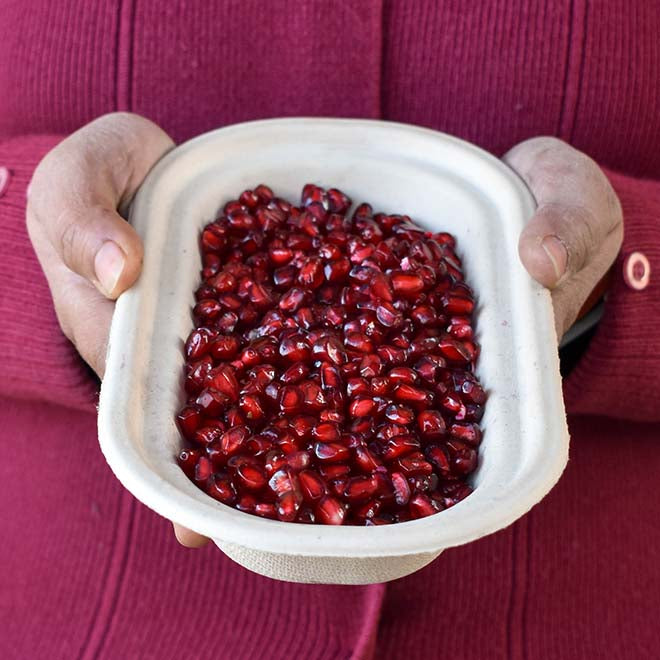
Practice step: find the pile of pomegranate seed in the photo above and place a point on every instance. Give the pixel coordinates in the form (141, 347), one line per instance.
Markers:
(329, 376)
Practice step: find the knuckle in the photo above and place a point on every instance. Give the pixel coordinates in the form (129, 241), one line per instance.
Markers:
(580, 225)
(69, 240)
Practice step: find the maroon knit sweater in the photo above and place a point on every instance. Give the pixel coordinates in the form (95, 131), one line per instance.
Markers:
(87, 572)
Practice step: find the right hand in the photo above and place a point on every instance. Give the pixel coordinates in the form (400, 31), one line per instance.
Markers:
(87, 250)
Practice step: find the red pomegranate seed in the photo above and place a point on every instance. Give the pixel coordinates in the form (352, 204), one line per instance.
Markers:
(330, 373)
(265, 510)
(401, 488)
(189, 420)
(222, 488)
(252, 476)
(232, 440)
(413, 395)
(187, 459)
(329, 349)
(454, 350)
(457, 305)
(329, 511)
(431, 424)
(203, 470)
(246, 503)
(288, 504)
(399, 414)
(311, 485)
(468, 433)
(207, 434)
(330, 472)
(211, 402)
(415, 464)
(331, 452)
(298, 460)
(407, 284)
(403, 375)
(338, 202)
(360, 488)
(326, 432)
(400, 445)
(361, 407)
(421, 506)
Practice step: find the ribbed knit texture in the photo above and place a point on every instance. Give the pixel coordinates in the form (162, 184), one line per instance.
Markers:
(87, 572)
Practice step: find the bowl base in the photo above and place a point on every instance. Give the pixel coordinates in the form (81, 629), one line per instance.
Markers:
(325, 570)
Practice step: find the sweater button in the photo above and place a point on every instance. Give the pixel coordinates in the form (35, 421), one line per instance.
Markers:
(5, 175)
(637, 271)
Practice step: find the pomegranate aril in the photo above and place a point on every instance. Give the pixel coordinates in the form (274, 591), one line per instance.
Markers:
(189, 420)
(431, 424)
(203, 470)
(414, 464)
(197, 344)
(360, 488)
(221, 488)
(421, 506)
(224, 381)
(288, 504)
(361, 407)
(329, 349)
(207, 434)
(330, 511)
(224, 347)
(187, 459)
(401, 488)
(398, 446)
(331, 472)
(399, 414)
(326, 432)
(463, 457)
(233, 439)
(338, 202)
(312, 487)
(406, 284)
(265, 510)
(412, 395)
(211, 402)
(453, 304)
(403, 375)
(365, 460)
(468, 433)
(331, 452)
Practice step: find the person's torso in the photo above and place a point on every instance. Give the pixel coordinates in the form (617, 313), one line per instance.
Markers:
(494, 72)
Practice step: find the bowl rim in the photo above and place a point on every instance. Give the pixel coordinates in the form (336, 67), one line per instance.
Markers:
(225, 523)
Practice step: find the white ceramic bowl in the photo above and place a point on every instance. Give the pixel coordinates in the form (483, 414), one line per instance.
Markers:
(444, 184)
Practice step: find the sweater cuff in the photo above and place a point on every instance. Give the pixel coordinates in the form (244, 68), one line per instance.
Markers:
(619, 375)
(38, 361)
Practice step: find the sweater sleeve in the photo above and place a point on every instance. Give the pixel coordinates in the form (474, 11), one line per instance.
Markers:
(37, 361)
(619, 374)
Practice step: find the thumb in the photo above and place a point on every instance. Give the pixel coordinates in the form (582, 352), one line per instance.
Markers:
(558, 242)
(97, 243)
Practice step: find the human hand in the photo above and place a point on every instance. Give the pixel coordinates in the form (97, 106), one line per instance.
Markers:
(577, 229)
(88, 252)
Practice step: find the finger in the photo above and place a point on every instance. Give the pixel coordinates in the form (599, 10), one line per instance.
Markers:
(189, 538)
(577, 209)
(81, 185)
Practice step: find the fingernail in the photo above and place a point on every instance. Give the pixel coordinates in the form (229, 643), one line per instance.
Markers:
(108, 265)
(557, 254)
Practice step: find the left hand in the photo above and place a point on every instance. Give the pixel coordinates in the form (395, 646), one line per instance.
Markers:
(576, 232)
